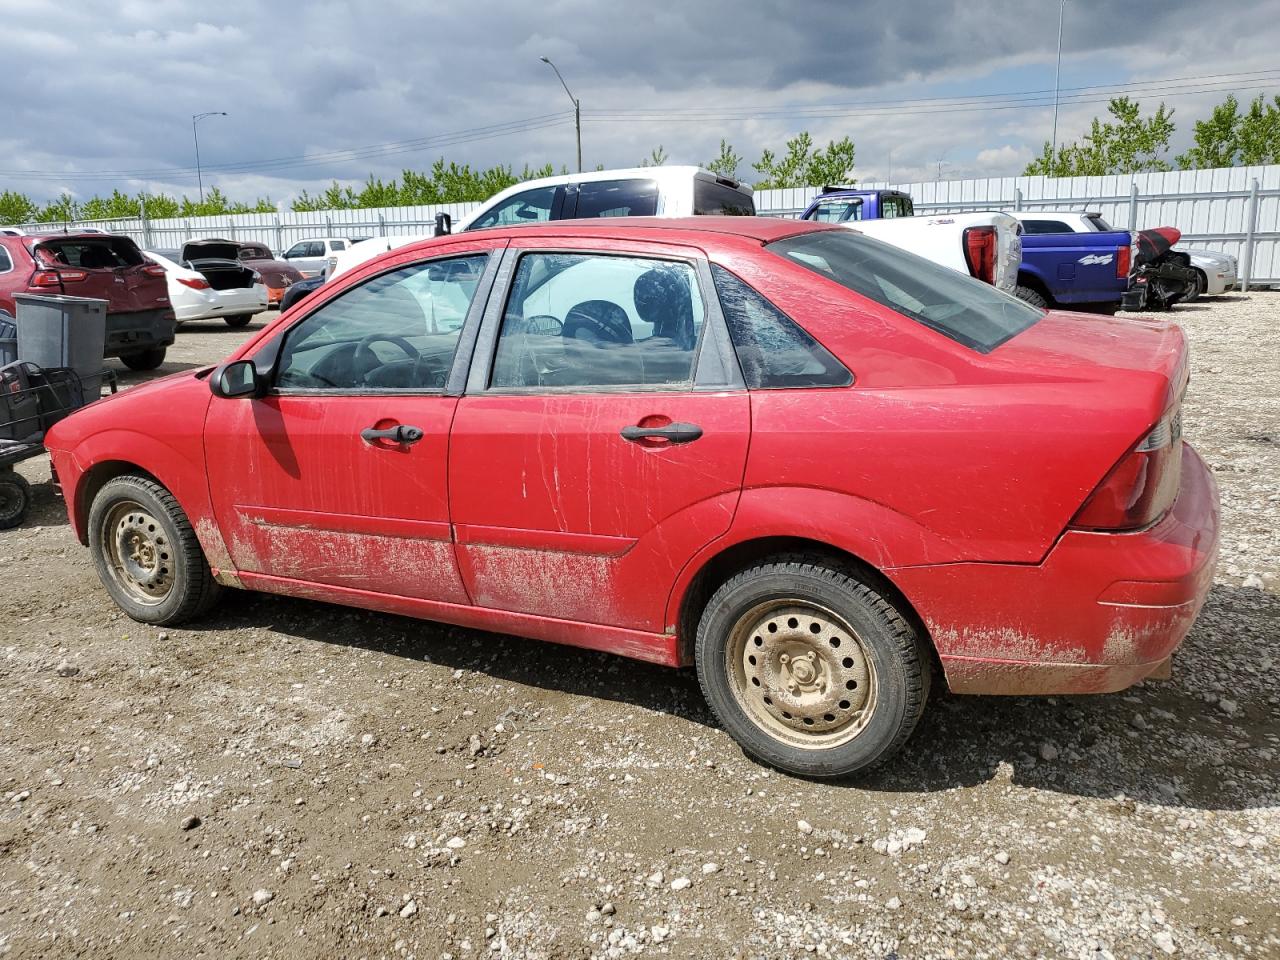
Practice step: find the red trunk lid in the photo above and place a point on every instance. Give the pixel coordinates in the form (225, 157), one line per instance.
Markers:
(99, 265)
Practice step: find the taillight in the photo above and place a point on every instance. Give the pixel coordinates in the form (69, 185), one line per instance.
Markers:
(56, 278)
(195, 283)
(153, 270)
(980, 252)
(1124, 260)
(1142, 486)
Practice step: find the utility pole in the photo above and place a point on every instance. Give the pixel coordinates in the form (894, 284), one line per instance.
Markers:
(577, 108)
(196, 118)
(1057, 75)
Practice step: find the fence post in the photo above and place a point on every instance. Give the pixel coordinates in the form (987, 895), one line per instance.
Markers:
(1017, 198)
(382, 225)
(279, 235)
(1133, 205)
(1251, 229)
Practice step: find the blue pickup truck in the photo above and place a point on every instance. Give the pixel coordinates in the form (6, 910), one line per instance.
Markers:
(1077, 271)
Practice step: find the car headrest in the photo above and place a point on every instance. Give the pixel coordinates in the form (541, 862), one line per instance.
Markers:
(600, 320)
(663, 298)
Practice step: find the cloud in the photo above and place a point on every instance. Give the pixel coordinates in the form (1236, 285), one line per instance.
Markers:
(113, 88)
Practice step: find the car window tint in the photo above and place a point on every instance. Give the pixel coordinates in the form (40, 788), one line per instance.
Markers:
(397, 331)
(617, 198)
(837, 211)
(966, 310)
(297, 250)
(1044, 226)
(582, 320)
(532, 206)
(891, 207)
(6, 263)
(717, 199)
(772, 348)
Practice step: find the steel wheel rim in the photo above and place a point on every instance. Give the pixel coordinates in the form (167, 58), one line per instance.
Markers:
(801, 674)
(140, 558)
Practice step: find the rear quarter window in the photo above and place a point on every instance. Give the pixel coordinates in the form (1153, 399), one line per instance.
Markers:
(961, 308)
(617, 198)
(719, 200)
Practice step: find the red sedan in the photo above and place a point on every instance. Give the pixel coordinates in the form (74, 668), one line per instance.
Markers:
(813, 465)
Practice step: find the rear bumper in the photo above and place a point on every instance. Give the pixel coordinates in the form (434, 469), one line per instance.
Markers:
(139, 330)
(1100, 613)
(215, 304)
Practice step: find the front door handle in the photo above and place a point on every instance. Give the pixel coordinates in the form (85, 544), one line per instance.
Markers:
(402, 433)
(672, 433)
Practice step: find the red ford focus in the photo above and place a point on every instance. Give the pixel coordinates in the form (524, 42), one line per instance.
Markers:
(814, 465)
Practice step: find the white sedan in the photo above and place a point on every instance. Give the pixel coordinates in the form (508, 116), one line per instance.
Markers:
(195, 298)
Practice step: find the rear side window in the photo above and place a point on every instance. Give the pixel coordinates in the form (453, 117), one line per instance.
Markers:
(1044, 226)
(617, 198)
(6, 263)
(966, 310)
(772, 349)
(716, 199)
(896, 207)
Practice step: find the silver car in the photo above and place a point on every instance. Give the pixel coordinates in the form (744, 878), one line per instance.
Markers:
(315, 255)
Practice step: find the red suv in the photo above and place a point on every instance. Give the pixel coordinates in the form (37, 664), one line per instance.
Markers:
(809, 463)
(140, 322)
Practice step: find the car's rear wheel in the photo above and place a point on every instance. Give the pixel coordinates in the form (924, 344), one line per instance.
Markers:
(1031, 296)
(144, 359)
(15, 498)
(810, 669)
(147, 554)
(239, 320)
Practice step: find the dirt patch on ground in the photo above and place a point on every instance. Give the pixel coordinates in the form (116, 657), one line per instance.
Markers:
(288, 778)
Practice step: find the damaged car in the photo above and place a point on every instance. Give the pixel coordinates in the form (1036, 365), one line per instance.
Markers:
(823, 472)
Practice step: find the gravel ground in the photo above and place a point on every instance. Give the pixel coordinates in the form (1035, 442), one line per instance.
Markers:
(294, 779)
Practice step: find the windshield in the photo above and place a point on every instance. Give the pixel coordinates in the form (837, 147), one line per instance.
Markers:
(966, 310)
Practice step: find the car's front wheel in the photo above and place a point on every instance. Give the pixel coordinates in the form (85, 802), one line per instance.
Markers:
(810, 669)
(144, 359)
(147, 554)
(239, 320)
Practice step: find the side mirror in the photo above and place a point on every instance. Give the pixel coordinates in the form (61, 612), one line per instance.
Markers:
(444, 225)
(236, 379)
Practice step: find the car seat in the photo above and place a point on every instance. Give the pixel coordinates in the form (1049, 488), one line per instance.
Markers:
(663, 298)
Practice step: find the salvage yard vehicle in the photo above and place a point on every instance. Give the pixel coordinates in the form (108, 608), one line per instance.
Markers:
(208, 282)
(276, 274)
(806, 462)
(985, 245)
(140, 320)
(315, 255)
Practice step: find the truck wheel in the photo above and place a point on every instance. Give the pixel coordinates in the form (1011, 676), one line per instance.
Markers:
(146, 553)
(1032, 296)
(239, 320)
(15, 498)
(144, 359)
(810, 669)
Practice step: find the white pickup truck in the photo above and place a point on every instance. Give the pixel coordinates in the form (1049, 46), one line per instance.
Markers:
(1216, 272)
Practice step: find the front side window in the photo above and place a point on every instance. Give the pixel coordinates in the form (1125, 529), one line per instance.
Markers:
(297, 250)
(617, 198)
(397, 331)
(966, 310)
(583, 320)
(532, 206)
(773, 350)
(837, 211)
(891, 207)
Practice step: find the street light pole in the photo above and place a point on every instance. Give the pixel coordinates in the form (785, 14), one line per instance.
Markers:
(1057, 75)
(196, 118)
(577, 108)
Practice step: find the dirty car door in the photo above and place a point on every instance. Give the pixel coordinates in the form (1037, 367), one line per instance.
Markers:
(602, 438)
(337, 476)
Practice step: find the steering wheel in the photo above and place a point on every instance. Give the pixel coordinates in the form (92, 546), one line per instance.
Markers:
(363, 358)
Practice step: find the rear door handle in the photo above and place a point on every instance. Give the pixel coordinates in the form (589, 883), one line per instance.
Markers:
(403, 433)
(672, 433)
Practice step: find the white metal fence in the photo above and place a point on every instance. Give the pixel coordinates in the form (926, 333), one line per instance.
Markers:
(1235, 210)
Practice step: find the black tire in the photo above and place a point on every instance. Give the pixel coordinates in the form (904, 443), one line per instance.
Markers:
(192, 590)
(15, 499)
(238, 321)
(1031, 296)
(1201, 285)
(144, 359)
(886, 640)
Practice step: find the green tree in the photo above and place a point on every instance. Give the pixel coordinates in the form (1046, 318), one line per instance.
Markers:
(657, 157)
(1260, 132)
(1217, 139)
(726, 164)
(57, 211)
(16, 207)
(1129, 143)
(804, 167)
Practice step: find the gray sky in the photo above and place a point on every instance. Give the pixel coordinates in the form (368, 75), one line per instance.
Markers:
(101, 95)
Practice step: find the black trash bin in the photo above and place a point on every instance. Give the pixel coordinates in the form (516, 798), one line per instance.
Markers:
(60, 331)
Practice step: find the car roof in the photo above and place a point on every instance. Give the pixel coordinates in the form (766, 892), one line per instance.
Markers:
(662, 173)
(760, 229)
